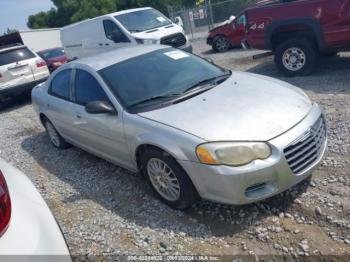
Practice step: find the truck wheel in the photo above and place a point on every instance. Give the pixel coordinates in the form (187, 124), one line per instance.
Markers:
(221, 44)
(296, 57)
(168, 179)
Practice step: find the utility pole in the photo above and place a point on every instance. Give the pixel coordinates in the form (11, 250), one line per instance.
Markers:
(209, 14)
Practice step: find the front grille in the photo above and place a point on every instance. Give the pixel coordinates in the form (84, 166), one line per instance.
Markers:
(303, 152)
(175, 40)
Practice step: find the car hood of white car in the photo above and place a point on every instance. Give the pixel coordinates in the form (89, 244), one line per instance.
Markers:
(246, 107)
(159, 32)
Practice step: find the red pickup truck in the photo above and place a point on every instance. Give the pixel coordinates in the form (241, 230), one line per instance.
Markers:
(298, 31)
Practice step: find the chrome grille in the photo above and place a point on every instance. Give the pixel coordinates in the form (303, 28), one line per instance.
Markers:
(303, 152)
(175, 40)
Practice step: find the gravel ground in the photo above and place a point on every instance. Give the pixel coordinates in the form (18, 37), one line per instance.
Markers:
(103, 209)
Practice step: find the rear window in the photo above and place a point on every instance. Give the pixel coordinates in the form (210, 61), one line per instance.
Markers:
(12, 56)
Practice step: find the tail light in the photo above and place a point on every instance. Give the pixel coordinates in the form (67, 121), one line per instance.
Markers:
(0, 75)
(5, 205)
(40, 63)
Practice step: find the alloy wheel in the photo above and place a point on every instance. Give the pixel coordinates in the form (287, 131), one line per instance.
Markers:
(53, 135)
(163, 179)
(294, 59)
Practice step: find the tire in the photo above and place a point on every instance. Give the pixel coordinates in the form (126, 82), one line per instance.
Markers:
(55, 138)
(187, 194)
(221, 44)
(302, 51)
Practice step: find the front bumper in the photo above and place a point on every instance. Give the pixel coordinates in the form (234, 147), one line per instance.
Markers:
(260, 179)
(13, 91)
(210, 40)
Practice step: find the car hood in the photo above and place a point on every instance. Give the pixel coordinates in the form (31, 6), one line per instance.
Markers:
(160, 32)
(246, 107)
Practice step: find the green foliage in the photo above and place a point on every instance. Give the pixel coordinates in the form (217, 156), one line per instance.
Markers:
(9, 31)
(71, 11)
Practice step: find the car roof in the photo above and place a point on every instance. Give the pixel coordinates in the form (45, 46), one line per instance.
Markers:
(103, 60)
(13, 47)
(129, 11)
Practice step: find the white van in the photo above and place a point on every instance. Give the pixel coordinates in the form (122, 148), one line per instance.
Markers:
(134, 26)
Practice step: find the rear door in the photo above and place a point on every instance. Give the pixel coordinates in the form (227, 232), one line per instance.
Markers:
(15, 67)
(59, 105)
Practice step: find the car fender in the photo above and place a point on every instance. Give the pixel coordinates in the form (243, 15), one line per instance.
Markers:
(314, 24)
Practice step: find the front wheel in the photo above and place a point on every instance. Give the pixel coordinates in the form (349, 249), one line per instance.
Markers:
(296, 57)
(167, 178)
(221, 44)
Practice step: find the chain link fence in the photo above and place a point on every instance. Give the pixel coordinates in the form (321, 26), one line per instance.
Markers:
(198, 20)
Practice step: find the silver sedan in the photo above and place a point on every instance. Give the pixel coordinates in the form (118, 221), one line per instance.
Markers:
(195, 130)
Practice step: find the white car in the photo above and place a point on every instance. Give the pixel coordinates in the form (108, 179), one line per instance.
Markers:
(27, 227)
(120, 29)
(20, 70)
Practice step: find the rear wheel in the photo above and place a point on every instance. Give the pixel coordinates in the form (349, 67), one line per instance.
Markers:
(167, 178)
(55, 138)
(221, 44)
(296, 57)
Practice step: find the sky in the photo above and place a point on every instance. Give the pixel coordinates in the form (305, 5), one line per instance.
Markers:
(14, 13)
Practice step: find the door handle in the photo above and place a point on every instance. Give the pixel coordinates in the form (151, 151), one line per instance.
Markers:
(78, 116)
(100, 44)
(106, 44)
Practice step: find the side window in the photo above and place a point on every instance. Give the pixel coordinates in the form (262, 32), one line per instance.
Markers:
(113, 32)
(87, 89)
(60, 85)
(241, 20)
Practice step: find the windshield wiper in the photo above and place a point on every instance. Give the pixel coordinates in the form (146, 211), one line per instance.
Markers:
(207, 81)
(155, 98)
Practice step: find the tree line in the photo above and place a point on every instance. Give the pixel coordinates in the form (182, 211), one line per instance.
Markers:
(71, 11)
(67, 12)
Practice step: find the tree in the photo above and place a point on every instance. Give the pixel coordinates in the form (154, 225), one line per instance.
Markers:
(70, 11)
(9, 31)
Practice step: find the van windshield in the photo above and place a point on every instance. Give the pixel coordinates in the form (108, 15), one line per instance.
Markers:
(143, 20)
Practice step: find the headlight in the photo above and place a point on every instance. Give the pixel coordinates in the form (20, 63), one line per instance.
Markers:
(232, 153)
(147, 41)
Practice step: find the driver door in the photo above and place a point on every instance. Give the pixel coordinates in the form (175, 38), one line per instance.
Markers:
(114, 37)
(239, 29)
(101, 134)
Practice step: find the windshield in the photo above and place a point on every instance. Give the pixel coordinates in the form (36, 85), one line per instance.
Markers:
(162, 73)
(52, 53)
(143, 20)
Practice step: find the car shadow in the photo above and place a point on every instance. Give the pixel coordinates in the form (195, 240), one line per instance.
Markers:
(129, 196)
(233, 49)
(15, 103)
(332, 74)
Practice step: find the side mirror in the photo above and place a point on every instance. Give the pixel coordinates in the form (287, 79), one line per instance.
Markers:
(100, 107)
(116, 36)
